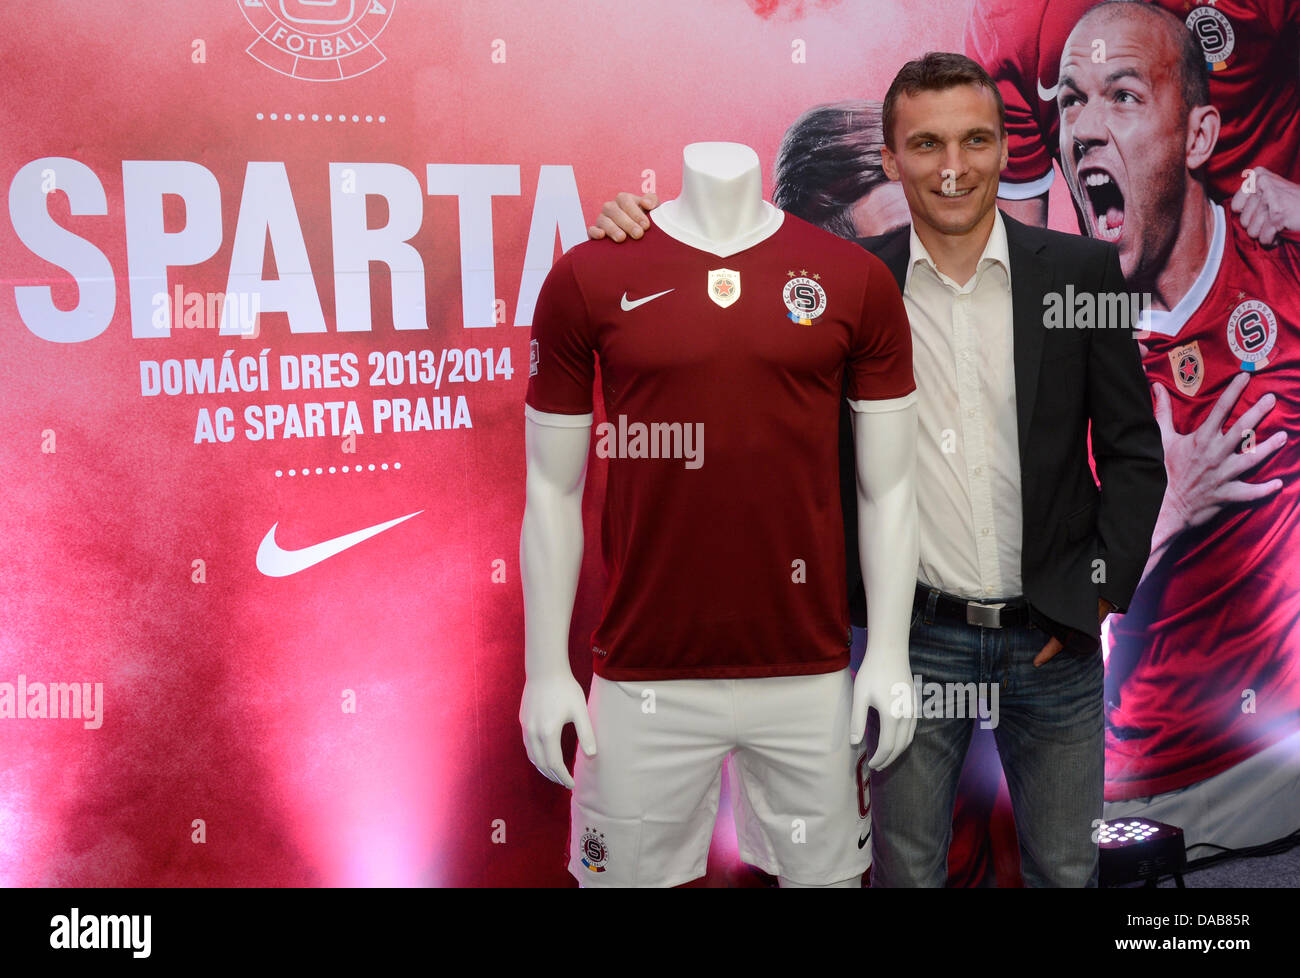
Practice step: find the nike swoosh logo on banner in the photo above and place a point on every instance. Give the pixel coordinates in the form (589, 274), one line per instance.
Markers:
(274, 561)
(629, 306)
(1047, 94)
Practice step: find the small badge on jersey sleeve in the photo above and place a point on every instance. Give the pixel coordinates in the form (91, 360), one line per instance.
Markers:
(1189, 368)
(724, 286)
(534, 358)
(804, 298)
(1252, 334)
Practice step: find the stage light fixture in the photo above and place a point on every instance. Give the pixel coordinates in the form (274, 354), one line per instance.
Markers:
(1135, 849)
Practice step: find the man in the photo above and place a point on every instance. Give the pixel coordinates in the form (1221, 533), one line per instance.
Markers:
(1251, 50)
(1203, 711)
(829, 172)
(1021, 556)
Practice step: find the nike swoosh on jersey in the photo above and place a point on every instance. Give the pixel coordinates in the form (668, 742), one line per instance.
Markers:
(629, 306)
(274, 561)
(1047, 94)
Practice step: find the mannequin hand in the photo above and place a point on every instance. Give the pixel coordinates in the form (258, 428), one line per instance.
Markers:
(890, 693)
(622, 216)
(548, 704)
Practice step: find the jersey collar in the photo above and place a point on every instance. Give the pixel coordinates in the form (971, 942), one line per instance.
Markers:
(1169, 322)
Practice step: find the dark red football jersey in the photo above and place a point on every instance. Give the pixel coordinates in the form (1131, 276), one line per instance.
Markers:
(1252, 48)
(729, 564)
(1206, 663)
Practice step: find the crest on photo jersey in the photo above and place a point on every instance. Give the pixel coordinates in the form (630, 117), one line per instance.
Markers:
(1189, 367)
(1213, 31)
(1252, 334)
(724, 286)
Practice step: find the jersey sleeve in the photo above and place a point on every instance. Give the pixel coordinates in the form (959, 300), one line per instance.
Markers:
(562, 356)
(1002, 37)
(880, 360)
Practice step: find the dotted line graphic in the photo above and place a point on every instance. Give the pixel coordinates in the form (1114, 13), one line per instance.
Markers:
(332, 470)
(302, 117)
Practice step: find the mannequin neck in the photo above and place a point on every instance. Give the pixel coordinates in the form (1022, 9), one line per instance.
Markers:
(721, 208)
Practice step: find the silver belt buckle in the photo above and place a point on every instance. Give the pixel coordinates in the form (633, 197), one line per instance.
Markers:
(984, 615)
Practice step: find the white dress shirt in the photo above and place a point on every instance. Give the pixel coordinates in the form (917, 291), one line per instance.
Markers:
(968, 457)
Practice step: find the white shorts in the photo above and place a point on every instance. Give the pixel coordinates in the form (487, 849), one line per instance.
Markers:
(643, 808)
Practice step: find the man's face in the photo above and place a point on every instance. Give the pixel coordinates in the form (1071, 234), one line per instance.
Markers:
(949, 152)
(1124, 135)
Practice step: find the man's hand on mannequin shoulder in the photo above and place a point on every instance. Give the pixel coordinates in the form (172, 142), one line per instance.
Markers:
(623, 216)
(1054, 645)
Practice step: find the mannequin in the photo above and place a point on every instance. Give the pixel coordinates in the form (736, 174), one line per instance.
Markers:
(720, 211)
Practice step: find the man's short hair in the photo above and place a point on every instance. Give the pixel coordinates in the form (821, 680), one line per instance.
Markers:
(937, 71)
(1193, 72)
(828, 161)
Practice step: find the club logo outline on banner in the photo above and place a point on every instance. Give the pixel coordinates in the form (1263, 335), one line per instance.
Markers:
(317, 40)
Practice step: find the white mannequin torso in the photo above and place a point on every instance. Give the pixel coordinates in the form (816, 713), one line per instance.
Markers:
(721, 209)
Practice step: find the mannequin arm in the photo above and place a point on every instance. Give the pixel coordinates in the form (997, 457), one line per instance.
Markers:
(550, 557)
(884, 434)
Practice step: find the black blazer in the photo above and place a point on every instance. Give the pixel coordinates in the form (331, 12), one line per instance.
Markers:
(1064, 379)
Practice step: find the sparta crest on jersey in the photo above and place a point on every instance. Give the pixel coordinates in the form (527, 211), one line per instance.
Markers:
(804, 298)
(1252, 334)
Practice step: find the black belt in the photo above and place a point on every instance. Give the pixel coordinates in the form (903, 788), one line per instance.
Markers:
(948, 608)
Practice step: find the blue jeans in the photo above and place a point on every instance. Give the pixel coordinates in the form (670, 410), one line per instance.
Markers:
(1050, 739)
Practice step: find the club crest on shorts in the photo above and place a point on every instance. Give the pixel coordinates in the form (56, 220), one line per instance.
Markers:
(804, 298)
(1252, 334)
(1189, 368)
(724, 286)
(593, 849)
